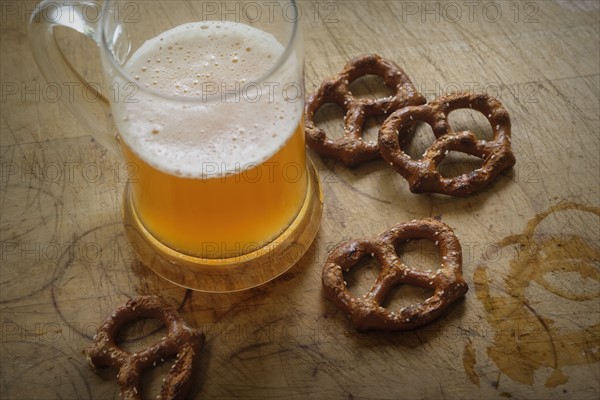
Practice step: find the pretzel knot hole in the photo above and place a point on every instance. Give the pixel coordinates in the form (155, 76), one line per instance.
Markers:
(457, 163)
(359, 276)
(370, 87)
(330, 118)
(137, 334)
(420, 254)
(415, 138)
(468, 119)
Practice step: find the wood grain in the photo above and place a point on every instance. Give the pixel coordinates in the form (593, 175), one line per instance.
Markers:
(528, 328)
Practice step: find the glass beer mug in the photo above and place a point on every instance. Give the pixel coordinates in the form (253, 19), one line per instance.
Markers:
(210, 112)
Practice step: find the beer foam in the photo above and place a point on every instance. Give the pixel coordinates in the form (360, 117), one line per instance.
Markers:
(231, 122)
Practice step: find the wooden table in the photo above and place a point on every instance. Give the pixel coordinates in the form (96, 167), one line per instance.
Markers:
(529, 327)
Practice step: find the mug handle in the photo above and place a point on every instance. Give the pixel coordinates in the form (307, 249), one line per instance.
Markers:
(92, 110)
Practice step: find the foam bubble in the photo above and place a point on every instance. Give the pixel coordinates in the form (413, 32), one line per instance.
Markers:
(246, 123)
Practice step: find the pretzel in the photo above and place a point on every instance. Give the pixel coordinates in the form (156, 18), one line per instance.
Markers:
(181, 340)
(421, 174)
(366, 312)
(351, 149)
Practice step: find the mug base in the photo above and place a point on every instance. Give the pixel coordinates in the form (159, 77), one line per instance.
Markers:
(235, 273)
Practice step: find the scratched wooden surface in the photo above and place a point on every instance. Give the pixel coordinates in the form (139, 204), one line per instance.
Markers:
(529, 325)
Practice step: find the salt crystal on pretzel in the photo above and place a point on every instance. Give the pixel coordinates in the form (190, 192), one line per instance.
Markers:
(181, 341)
(366, 312)
(351, 149)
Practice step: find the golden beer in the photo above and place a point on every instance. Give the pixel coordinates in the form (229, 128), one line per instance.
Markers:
(225, 216)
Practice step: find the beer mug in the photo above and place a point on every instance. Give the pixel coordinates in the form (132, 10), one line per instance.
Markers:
(206, 104)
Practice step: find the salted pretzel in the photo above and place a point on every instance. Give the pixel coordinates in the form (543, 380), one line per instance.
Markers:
(351, 149)
(422, 174)
(181, 341)
(366, 312)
